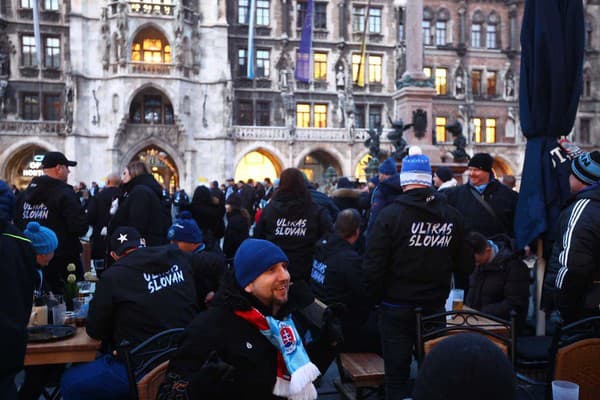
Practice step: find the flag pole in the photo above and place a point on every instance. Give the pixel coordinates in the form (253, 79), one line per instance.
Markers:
(540, 265)
(250, 70)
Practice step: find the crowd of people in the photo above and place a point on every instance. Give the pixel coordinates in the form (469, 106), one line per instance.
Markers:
(236, 262)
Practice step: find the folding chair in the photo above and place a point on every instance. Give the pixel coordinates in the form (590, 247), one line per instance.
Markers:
(145, 357)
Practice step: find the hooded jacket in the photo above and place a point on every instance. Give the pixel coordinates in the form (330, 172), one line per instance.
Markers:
(346, 198)
(54, 204)
(295, 227)
(98, 217)
(232, 342)
(385, 192)
(16, 288)
(577, 254)
(147, 291)
(500, 285)
(140, 207)
(207, 215)
(235, 232)
(415, 245)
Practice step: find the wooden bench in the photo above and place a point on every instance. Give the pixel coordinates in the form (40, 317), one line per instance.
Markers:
(360, 373)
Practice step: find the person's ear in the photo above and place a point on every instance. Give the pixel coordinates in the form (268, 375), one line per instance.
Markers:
(249, 288)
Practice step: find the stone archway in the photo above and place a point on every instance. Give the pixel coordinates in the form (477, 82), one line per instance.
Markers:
(501, 167)
(257, 164)
(161, 165)
(24, 164)
(316, 162)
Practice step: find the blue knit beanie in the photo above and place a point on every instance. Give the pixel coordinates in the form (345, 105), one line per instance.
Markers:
(586, 167)
(415, 168)
(185, 229)
(7, 201)
(253, 257)
(388, 167)
(43, 239)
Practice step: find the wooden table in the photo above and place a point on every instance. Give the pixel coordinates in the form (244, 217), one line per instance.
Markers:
(78, 348)
(480, 322)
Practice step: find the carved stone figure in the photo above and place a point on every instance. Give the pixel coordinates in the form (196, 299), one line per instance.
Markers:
(196, 49)
(68, 110)
(122, 27)
(340, 78)
(459, 154)
(509, 85)
(373, 142)
(396, 136)
(179, 51)
(400, 60)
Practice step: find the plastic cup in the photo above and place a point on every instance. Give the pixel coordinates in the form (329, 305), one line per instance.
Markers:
(58, 314)
(458, 298)
(565, 390)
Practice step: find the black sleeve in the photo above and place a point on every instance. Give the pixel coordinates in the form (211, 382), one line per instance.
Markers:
(516, 291)
(101, 312)
(73, 214)
(377, 257)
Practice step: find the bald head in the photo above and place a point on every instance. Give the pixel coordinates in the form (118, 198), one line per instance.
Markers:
(113, 179)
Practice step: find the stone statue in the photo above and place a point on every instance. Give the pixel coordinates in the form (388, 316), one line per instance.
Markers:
(459, 86)
(341, 108)
(509, 85)
(196, 49)
(179, 51)
(340, 78)
(396, 136)
(373, 142)
(68, 110)
(122, 27)
(3, 86)
(400, 60)
(459, 154)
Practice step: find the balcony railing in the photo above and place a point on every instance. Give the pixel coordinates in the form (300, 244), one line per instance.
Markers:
(156, 7)
(149, 68)
(280, 133)
(33, 127)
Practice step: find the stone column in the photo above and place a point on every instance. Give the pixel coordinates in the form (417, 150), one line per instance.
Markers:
(513, 39)
(414, 40)
(462, 29)
(285, 18)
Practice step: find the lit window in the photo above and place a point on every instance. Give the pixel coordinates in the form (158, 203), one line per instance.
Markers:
(491, 84)
(477, 130)
(51, 5)
(490, 130)
(440, 33)
(440, 129)
(375, 20)
(426, 32)
(150, 46)
(476, 35)
(262, 12)
(302, 115)
(375, 67)
(491, 37)
(52, 55)
(355, 66)
(27, 3)
(242, 11)
(28, 51)
(242, 62)
(320, 66)
(441, 80)
(427, 71)
(262, 63)
(320, 115)
(358, 19)
(476, 82)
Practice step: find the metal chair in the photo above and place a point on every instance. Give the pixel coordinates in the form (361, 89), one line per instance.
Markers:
(145, 357)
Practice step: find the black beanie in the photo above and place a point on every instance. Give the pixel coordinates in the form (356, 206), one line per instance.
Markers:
(482, 161)
(466, 366)
(444, 173)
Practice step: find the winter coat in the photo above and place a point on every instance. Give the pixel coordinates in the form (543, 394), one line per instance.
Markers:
(501, 199)
(98, 216)
(141, 208)
(295, 227)
(208, 268)
(324, 201)
(337, 277)
(55, 205)
(248, 196)
(230, 342)
(500, 285)
(415, 245)
(207, 215)
(577, 255)
(346, 198)
(235, 233)
(16, 288)
(385, 192)
(147, 291)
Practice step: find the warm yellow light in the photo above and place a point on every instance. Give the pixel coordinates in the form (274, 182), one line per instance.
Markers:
(375, 63)
(359, 172)
(255, 165)
(440, 129)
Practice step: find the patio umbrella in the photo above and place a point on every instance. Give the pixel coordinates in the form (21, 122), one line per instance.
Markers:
(552, 48)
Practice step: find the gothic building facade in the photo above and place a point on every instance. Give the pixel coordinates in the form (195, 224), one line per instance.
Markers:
(166, 81)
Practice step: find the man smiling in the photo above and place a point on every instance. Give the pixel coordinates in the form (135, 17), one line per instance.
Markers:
(246, 345)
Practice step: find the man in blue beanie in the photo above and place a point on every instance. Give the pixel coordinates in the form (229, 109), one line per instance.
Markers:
(208, 266)
(16, 288)
(387, 189)
(246, 345)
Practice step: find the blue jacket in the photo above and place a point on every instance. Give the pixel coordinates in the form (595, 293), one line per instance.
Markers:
(385, 192)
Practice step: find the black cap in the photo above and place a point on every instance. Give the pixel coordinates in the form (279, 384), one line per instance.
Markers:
(482, 161)
(54, 158)
(125, 238)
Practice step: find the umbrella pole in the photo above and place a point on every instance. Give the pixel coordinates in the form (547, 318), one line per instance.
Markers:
(540, 325)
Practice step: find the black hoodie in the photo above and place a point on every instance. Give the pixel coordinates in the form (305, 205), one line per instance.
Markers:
(415, 245)
(54, 204)
(145, 292)
(140, 207)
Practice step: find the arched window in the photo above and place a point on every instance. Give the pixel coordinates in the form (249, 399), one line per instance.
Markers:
(476, 28)
(151, 106)
(492, 34)
(151, 46)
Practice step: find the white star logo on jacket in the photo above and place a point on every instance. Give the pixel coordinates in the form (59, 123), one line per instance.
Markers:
(122, 237)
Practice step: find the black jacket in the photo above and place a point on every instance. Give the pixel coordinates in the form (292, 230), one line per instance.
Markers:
(235, 232)
(501, 199)
(144, 293)
(295, 227)
(324, 201)
(501, 285)
(208, 268)
(577, 255)
(55, 205)
(346, 198)
(140, 207)
(337, 277)
(98, 217)
(415, 245)
(207, 215)
(16, 290)
(385, 192)
(234, 342)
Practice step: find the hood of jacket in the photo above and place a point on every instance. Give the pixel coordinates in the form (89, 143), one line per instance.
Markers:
(425, 199)
(592, 192)
(153, 259)
(331, 244)
(289, 205)
(42, 187)
(146, 180)
(391, 184)
(345, 192)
